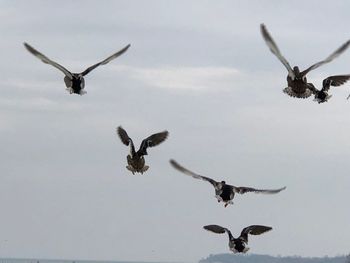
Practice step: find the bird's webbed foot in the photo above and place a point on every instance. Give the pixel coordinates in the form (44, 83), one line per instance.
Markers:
(131, 169)
(144, 169)
(70, 90)
(228, 203)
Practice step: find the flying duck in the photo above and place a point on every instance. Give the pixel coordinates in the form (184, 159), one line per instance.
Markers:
(297, 82)
(239, 245)
(335, 81)
(224, 192)
(75, 82)
(136, 161)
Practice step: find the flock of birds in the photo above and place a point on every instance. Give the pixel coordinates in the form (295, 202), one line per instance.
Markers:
(298, 87)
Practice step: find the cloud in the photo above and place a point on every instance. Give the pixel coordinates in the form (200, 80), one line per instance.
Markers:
(35, 95)
(194, 78)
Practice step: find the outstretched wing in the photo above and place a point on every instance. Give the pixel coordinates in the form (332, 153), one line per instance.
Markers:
(124, 137)
(46, 60)
(152, 141)
(328, 59)
(190, 173)
(334, 81)
(254, 230)
(218, 230)
(274, 49)
(115, 55)
(243, 190)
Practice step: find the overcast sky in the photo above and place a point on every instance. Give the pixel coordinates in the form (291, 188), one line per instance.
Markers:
(201, 70)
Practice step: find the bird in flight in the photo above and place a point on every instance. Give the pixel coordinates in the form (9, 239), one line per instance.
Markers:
(136, 160)
(239, 245)
(335, 81)
(224, 192)
(75, 82)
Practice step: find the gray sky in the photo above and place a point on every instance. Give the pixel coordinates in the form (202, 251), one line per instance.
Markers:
(199, 69)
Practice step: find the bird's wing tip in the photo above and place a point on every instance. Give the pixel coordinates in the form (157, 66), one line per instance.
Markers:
(173, 162)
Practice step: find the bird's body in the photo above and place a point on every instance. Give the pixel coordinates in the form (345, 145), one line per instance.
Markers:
(136, 163)
(224, 192)
(74, 82)
(239, 244)
(298, 86)
(136, 160)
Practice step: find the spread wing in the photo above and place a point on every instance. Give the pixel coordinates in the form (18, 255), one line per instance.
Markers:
(194, 175)
(312, 88)
(218, 230)
(46, 60)
(335, 54)
(152, 141)
(124, 137)
(274, 49)
(254, 230)
(243, 190)
(115, 55)
(334, 81)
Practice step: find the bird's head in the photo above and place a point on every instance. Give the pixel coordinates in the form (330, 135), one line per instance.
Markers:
(296, 72)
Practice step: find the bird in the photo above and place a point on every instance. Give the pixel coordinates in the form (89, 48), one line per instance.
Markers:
(223, 191)
(297, 83)
(322, 95)
(239, 245)
(74, 82)
(136, 160)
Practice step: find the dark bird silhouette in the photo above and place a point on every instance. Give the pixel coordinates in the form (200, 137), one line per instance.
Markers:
(239, 245)
(136, 161)
(75, 82)
(297, 83)
(224, 192)
(335, 81)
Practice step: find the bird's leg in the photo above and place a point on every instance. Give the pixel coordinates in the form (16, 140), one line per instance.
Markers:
(130, 168)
